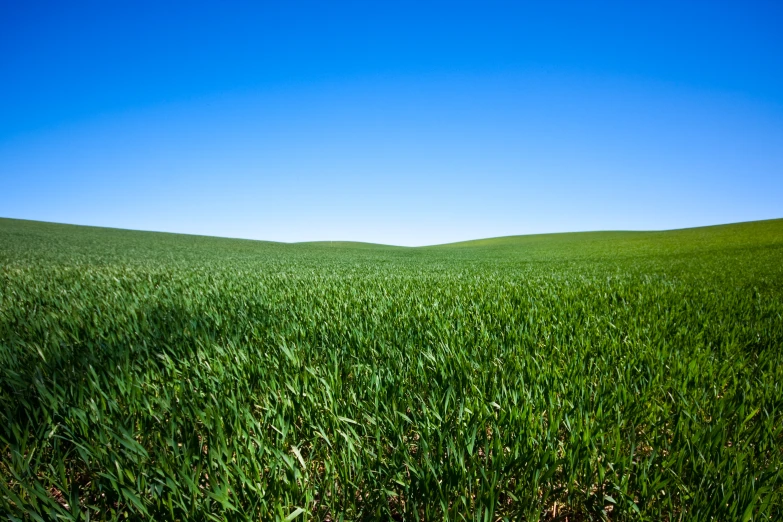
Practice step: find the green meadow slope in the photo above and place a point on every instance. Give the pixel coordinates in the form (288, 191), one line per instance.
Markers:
(606, 375)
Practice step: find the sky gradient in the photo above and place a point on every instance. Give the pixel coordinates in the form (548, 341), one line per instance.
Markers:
(398, 123)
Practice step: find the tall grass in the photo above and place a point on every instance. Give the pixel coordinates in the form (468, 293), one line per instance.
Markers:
(620, 376)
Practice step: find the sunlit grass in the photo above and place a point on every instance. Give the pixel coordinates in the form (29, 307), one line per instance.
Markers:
(611, 375)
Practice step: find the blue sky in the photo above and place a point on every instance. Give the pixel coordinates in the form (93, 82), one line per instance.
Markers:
(405, 123)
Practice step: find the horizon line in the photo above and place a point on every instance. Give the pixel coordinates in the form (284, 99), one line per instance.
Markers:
(321, 241)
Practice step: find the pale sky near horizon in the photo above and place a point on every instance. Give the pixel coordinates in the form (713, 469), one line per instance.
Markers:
(403, 123)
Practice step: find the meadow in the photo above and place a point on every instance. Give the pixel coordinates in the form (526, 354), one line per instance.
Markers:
(589, 376)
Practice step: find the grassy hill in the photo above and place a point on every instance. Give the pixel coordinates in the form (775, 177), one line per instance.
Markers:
(52, 239)
(754, 235)
(614, 375)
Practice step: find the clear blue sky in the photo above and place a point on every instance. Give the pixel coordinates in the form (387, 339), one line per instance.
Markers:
(401, 122)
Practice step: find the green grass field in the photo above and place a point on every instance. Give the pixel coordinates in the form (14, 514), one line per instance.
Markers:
(611, 375)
